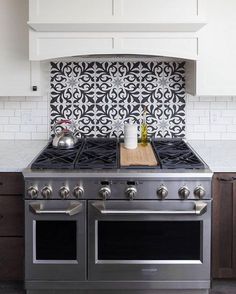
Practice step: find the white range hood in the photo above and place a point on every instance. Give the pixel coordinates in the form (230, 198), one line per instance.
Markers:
(63, 28)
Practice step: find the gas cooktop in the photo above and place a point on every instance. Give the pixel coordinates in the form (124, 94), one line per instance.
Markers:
(103, 153)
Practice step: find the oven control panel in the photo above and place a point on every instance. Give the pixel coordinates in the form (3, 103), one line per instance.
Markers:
(108, 189)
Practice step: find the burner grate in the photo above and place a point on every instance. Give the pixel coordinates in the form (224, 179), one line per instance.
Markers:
(98, 153)
(53, 158)
(176, 154)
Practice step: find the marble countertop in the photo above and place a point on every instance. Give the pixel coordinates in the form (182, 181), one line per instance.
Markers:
(16, 155)
(220, 156)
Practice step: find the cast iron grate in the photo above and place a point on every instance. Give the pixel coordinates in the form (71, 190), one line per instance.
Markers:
(53, 158)
(98, 153)
(176, 154)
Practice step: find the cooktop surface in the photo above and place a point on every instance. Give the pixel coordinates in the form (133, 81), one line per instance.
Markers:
(103, 153)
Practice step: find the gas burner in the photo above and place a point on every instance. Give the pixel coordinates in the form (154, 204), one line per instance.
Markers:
(53, 158)
(176, 154)
(98, 153)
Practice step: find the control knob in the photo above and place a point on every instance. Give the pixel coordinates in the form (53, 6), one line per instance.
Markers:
(162, 192)
(46, 192)
(184, 192)
(32, 192)
(78, 192)
(131, 192)
(199, 192)
(105, 192)
(64, 192)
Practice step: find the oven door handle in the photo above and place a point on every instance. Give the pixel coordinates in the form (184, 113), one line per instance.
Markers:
(38, 208)
(200, 208)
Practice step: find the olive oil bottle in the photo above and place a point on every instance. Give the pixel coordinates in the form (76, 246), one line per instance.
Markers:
(143, 128)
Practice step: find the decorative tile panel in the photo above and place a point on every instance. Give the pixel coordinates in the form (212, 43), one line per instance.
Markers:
(101, 96)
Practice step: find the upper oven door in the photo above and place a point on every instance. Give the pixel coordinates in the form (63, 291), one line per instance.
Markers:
(55, 240)
(149, 240)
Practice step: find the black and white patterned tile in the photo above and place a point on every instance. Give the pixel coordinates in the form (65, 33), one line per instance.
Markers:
(100, 96)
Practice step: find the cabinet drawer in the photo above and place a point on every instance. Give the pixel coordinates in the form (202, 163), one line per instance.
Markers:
(11, 258)
(11, 216)
(11, 183)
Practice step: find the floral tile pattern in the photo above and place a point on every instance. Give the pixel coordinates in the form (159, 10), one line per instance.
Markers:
(101, 96)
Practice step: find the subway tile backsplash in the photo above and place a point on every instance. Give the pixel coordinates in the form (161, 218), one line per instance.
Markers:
(207, 118)
(210, 118)
(24, 118)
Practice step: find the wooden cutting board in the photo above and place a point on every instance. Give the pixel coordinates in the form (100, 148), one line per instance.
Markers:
(141, 156)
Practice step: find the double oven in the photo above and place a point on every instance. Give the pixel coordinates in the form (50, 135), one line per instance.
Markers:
(90, 242)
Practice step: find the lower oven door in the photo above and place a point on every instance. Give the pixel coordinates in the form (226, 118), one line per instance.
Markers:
(55, 240)
(149, 240)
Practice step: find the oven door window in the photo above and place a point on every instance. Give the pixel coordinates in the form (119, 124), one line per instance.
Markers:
(148, 240)
(55, 240)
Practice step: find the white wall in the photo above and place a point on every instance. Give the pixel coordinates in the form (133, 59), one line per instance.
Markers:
(207, 118)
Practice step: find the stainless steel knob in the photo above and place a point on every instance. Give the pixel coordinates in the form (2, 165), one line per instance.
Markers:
(78, 192)
(131, 192)
(64, 192)
(105, 192)
(162, 192)
(199, 192)
(32, 192)
(46, 192)
(184, 192)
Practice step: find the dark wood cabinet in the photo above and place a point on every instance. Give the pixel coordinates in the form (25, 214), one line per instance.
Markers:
(224, 226)
(11, 226)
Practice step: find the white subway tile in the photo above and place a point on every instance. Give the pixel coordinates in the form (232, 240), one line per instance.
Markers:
(40, 136)
(190, 105)
(231, 128)
(228, 112)
(231, 105)
(213, 136)
(7, 136)
(28, 128)
(16, 99)
(6, 112)
(4, 120)
(28, 105)
(204, 120)
(192, 98)
(23, 136)
(228, 136)
(218, 105)
(14, 120)
(11, 128)
(192, 120)
(201, 105)
(223, 98)
(218, 128)
(207, 98)
(201, 128)
(42, 128)
(195, 136)
(12, 105)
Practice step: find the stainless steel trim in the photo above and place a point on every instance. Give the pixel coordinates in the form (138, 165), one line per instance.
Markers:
(148, 261)
(200, 208)
(74, 208)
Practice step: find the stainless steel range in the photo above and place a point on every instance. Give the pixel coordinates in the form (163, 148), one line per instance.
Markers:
(93, 227)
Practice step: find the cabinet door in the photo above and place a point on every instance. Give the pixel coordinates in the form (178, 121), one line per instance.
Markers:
(224, 226)
(17, 74)
(217, 54)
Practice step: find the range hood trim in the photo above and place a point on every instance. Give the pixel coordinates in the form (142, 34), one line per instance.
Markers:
(125, 25)
(50, 45)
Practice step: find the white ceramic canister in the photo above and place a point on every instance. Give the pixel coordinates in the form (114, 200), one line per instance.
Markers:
(130, 136)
